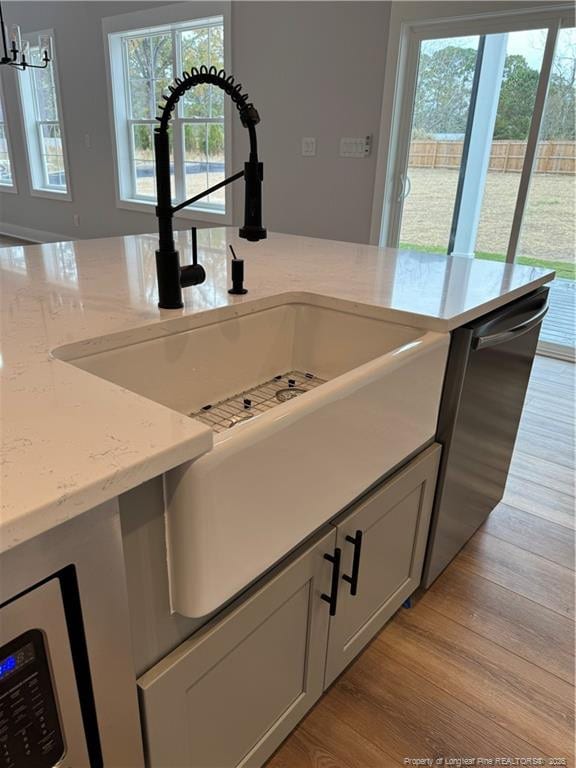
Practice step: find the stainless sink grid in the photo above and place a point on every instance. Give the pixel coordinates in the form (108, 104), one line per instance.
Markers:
(252, 402)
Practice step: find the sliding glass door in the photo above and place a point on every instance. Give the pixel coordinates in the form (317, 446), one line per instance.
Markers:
(485, 150)
(444, 87)
(548, 231)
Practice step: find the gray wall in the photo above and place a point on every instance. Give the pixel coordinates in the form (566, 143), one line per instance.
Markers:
(311, 68)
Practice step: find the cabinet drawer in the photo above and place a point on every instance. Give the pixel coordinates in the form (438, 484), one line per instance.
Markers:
(388, 533)
(228, 696)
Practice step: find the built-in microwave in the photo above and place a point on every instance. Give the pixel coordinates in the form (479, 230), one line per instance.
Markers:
(41, 722)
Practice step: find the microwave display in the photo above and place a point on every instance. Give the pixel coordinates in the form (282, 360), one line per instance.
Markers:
(30, 730)
(17, 660)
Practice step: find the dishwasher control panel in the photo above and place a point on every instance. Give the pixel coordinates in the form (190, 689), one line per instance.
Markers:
(30, 730)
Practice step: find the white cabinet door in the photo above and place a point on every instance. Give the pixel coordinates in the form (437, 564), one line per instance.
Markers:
(229, 696)
(383, 543)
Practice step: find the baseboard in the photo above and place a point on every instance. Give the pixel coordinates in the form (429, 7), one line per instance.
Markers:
(34, 235)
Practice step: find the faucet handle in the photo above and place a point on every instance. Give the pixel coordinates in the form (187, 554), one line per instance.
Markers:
(194, 273)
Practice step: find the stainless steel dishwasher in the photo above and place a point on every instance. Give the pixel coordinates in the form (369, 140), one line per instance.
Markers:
(488, 369)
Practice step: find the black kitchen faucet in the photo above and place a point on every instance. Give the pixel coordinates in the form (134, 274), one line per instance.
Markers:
(171, 276)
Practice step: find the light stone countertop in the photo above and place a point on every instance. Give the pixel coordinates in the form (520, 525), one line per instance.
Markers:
(71, 441)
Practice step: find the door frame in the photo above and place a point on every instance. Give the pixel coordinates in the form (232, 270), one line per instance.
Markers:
(410, 23)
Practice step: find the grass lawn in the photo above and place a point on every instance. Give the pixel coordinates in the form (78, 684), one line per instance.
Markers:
(548, 224)
(564, 269)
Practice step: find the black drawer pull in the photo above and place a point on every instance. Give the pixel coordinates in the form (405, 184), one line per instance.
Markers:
(332, 598)
(353, 579)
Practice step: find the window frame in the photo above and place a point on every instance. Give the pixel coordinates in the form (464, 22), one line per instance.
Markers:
(174, 20)
(10, 188)
(32, 126)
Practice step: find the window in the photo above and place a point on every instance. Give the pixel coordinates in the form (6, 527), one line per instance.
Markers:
(6, 175)
(142, 64)
(42, 120)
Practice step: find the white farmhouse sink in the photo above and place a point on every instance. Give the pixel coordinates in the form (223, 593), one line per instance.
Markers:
(273, 479)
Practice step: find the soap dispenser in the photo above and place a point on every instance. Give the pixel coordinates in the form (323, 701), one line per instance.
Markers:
(237, 266)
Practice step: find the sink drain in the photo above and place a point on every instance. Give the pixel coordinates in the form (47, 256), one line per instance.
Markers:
(287, 394)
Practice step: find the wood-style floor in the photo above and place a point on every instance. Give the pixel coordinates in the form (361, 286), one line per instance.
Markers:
(483, 664)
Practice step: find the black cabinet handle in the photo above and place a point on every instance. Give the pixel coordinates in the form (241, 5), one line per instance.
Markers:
(332, 598)
(353, 579)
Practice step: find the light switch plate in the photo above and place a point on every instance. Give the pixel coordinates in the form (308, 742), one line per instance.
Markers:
(355, 147)
(308, 146)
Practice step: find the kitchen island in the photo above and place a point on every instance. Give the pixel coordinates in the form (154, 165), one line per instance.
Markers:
(85, 441)
(73, 442)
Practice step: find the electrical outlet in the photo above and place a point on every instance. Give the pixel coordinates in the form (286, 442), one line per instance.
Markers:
(87, 140)
(76, 220)
(308, 147)
(355, 147)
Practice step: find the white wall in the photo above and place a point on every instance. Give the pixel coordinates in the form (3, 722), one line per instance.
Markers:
(311, 68)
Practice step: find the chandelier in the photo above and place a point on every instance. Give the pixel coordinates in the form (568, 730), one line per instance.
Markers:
(18, 54)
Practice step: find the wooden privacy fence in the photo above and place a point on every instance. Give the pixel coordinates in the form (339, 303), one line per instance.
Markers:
(506, 156)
